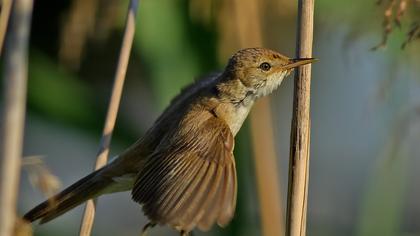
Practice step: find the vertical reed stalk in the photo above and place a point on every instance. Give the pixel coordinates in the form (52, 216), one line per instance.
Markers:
(300, 132)
(272, 218)
(15, 80)
(102, 156)
(6, 6)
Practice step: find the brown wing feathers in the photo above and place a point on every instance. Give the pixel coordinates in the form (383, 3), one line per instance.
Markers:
(192, 181)
(229, 203)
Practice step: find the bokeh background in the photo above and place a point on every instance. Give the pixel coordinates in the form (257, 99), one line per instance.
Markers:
(365, 152)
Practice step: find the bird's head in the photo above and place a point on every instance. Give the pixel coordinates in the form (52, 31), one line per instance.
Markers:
(259, 70)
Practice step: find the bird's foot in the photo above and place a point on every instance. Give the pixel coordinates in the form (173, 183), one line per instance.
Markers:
(184, 233)
(146, 227)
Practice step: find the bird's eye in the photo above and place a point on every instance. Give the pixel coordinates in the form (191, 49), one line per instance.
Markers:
(265, 66)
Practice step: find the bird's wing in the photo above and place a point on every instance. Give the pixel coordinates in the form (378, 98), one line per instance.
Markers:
(191, 181)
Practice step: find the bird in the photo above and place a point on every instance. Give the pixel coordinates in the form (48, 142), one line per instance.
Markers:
(182, 170)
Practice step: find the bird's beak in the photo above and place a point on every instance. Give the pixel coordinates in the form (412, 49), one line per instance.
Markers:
(293, 63)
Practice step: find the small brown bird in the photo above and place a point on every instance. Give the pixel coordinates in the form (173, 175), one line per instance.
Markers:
(182, 171)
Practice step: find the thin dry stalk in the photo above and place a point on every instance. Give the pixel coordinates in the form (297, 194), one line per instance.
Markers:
(6, 5)
(249, 34)
(300, 132)
(102, 156)
(272, 219)
(15, 79)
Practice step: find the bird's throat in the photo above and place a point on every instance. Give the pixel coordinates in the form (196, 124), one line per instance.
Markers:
(234, 114)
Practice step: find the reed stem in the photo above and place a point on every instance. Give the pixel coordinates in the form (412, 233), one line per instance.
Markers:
(15, 75)
(102, 155)
(297, 196)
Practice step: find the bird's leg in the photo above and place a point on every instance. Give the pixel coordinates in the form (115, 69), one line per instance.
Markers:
(146, 227)
(183, 233)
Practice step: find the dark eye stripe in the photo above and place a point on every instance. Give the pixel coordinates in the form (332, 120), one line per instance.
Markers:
(265, 66)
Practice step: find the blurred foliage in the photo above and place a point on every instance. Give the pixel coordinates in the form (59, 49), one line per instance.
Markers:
(383, 203)
(394, 11)
(58, 94)
(399, 18)
(176, 49)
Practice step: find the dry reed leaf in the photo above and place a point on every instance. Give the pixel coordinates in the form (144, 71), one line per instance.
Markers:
(387, 23)
(413, 34)
(40, 176)
(393, 13)
(400, 12)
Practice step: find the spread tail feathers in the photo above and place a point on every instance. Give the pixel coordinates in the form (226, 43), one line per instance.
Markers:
(88, 187)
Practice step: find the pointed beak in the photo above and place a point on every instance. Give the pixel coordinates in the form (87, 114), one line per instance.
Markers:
(293, 63)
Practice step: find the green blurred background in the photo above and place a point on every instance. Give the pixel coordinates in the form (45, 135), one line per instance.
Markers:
(365, 157)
